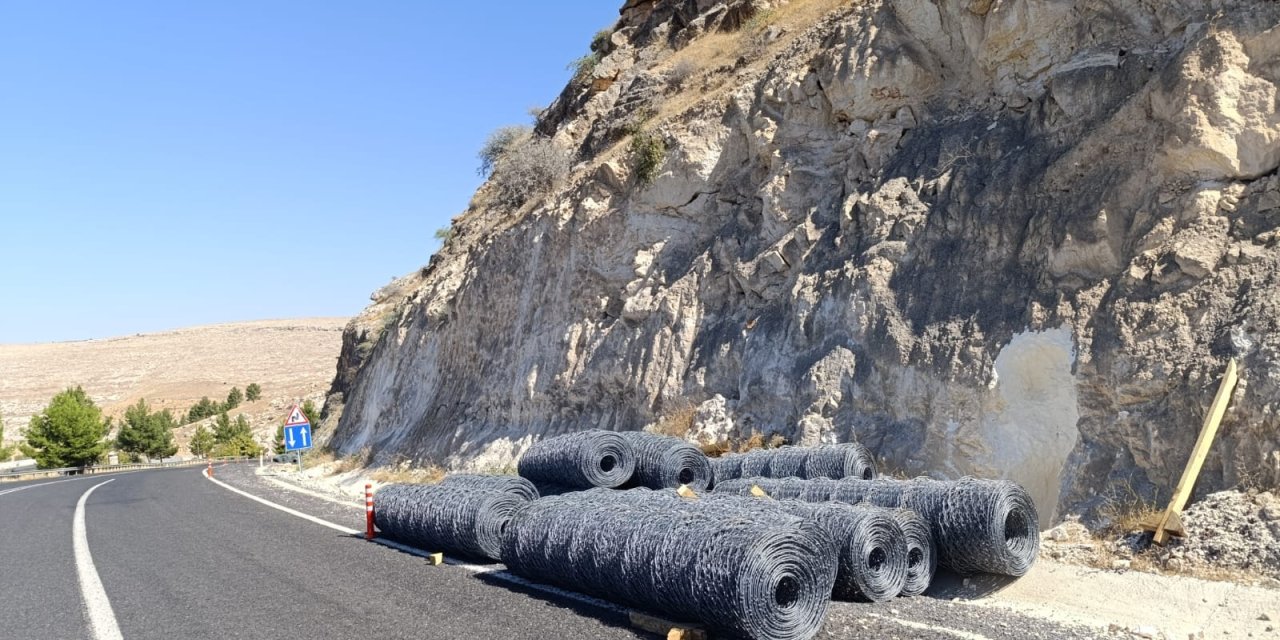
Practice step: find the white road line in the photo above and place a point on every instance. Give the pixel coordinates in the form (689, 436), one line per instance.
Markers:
(102, 620)
(473, 568)
(292, 512)
(32, 486)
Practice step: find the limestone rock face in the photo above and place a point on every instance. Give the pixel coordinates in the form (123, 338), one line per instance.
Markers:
(1014, 238)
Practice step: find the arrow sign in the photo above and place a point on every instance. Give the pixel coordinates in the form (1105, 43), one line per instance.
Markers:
(297, 430)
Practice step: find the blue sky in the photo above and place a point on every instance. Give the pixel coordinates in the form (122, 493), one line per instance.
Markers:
(165, 164)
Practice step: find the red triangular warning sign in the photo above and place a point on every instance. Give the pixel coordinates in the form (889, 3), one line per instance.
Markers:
(295, 417)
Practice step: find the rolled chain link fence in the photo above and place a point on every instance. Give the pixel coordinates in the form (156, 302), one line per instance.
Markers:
(745, 571)
(977, 526)
(583, 459)
(872, 547)
(847, 460)
(464, 521)
(509, 484)
(664, 462)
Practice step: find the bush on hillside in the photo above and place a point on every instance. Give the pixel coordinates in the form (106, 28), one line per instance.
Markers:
(502, 140)
(527, 170)
(648, 152)
(234, 398)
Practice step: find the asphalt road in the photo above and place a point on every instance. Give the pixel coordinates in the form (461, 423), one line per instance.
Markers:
(181, 557)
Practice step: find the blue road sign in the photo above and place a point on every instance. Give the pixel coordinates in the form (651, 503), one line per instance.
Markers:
(297, 437)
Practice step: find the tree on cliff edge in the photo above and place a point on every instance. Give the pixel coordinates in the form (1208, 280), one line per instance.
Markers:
(70, 432)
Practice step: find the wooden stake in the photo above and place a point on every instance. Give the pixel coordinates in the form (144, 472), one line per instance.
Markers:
(756, 491)
(685, 492)
(666, 628)
(1169, 522)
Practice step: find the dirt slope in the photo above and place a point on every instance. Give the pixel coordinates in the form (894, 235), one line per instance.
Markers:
(291, 359)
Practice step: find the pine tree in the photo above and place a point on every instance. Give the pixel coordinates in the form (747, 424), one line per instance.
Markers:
(201, 442)
(147, 433)
(312, 413)
(252, 392)
(70, 432)
(278, 445)
(234, 398)
(202, 410)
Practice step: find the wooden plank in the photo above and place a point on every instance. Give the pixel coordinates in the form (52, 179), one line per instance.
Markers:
(1169, 523)
(685, 492)
(435, 559)
(758, 492)
(666, 628)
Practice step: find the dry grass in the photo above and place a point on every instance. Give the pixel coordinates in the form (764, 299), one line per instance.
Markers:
(708, 62)
(352, 462)
(1125, 511)
(756, 440)
(677, 422)
(318, 457)
(403, 474)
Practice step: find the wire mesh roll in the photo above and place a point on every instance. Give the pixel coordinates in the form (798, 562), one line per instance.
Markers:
(726, 468)
(872, 547)
(848, 460)
(764, 576)
(511, 484)
(786, 462)
(755, 463)
(663, 462)
(845, 460)
(470, 522)
(922, 562)
(978, 526)
(990, 526)
(582, 459)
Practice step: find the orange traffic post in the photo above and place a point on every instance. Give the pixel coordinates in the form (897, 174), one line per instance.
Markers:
(368, 511)
(210, 468)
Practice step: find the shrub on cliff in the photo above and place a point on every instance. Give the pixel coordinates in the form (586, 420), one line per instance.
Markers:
(528, 168)
(502, 140)
(648, 152)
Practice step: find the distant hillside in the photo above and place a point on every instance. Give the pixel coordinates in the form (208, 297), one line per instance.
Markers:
(291, 359)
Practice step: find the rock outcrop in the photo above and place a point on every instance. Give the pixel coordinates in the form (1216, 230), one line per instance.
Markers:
(1012, 238)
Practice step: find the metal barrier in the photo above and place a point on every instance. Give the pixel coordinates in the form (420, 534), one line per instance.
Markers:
(32, 474)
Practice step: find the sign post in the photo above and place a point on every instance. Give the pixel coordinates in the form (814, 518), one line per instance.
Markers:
(297, 433)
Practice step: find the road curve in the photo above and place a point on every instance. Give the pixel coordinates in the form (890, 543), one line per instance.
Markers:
(179, 556)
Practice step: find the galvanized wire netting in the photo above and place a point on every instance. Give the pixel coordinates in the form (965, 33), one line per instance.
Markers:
(510, 484)
(978, 526)
(452, 519)
(664, 462)
(922, 562)
(845, 460)
(583, 459)
(848, 460)
(760, 574)
(871, 545)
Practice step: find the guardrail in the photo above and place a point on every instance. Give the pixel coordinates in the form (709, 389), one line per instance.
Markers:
(31, 474)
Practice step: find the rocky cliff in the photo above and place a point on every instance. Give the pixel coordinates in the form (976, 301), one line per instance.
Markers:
(1003, 237)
